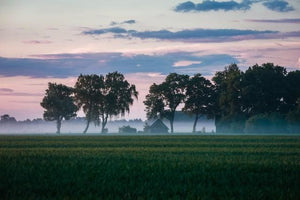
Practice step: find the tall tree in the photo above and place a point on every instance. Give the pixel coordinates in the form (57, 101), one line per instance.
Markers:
(292, 95)
(229, 116)
(88, 95)
(293, 118)
(264, 89)
(163, 99)
(118, 95)
(199, 100)
(59, 104)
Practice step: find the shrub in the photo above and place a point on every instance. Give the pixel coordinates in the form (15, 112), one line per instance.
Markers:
(127, 129)
(266, 123)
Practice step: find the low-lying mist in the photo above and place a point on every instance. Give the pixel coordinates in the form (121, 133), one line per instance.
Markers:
(77, 126)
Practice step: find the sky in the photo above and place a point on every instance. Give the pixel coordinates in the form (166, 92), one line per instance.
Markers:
(57, 40)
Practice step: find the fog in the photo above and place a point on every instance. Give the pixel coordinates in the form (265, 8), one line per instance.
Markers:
(77, 126)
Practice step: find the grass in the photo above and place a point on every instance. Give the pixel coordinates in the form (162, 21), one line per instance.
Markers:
(150, 167)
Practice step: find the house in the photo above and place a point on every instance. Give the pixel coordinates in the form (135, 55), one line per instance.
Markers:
(157, 127)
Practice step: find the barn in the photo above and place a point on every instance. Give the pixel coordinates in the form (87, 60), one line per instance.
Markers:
(158, 127)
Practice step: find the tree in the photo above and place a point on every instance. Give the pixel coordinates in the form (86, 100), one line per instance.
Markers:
(199, 100)
(59, 104)
(264, 89)
(293, 118)
(118, 95)
(228, 100)
(266, 123)
(163, 99)
(88, 96)
(6, 119)
(292, 91)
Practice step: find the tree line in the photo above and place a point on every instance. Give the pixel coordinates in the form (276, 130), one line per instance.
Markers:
(100, 97)
(264, 98)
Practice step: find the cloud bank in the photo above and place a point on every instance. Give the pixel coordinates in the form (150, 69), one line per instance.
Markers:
(194, 35)
(211, 5)
(67, 65)
(278, 5)
(283, 21)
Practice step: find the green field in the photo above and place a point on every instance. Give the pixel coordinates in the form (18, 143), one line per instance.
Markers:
(150, 167)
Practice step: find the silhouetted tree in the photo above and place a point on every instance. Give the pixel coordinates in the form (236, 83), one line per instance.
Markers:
(292, 95)
(229, 116)
(118, 95)
(163, 99)
(293, 118)
(199, 100)
(264, 89)
(59, 104)
(88, 96)
(266, 123)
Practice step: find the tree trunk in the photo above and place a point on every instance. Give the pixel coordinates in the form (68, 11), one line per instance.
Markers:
(172, 121)
(58, 125)
(195, 123)
(171, 124)
(103, 127)
(87, 126)
(217, 120)
(88, 118)
(104, 121)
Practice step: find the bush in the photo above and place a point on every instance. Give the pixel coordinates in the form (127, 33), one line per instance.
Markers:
(293, 118)
(127, 129)
(266, 123)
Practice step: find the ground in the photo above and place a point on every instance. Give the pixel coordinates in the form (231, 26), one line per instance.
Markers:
(150, 167)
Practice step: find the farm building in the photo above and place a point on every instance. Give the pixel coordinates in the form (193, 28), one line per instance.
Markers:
(158, 127)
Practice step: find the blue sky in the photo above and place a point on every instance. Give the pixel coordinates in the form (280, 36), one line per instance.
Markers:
(56, 40)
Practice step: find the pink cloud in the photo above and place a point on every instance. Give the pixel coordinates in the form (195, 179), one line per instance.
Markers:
(6, 90)
(185, 63)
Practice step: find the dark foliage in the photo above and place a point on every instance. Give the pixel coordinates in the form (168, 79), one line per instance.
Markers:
(163, 99)
(199, 98)
(58, 104)
(88, 96)
(118, 95)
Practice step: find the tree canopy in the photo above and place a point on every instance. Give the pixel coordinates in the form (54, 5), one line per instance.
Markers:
(88, 96)
(118, 95)
(163, 99)
(263, 89)
(250, 97)
(199, 98)
(229, 116)
(58, 103)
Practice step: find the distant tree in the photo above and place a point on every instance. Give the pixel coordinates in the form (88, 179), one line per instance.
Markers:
(6, 119)
(199, 100)
(163, 99)
(227, 84)
(88, 95)
(118, 95)
(59, 104)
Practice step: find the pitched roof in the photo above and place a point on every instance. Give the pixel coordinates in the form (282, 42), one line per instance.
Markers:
(159, 124)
